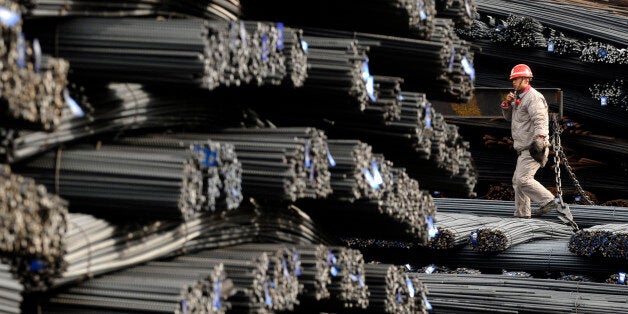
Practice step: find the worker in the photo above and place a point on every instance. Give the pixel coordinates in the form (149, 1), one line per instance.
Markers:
(527, 110)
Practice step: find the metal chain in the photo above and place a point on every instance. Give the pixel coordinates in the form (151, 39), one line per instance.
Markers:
(559, 155)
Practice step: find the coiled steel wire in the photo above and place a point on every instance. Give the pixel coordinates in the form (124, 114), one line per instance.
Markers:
(10, 292)
(609, 241)
(220, 10)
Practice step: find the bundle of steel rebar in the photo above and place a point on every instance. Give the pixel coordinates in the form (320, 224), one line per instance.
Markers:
(460, 11)
(10, 292)
(613, 93)
(393, 291)
(350, 287)
(315, 272)
(33, 224)
(471, 293)
(543, 257)
(454, 229)
(413, 18)
(126, 181)
(121, 107)
(176, 286)
(262, 278)
(610, 241)
(355, 174)
(190, 51)
(442, 64)
(501, 235)
(31, 95)
(277, 163)
(591, 21)
(220, 10)
(222, 171)
(585, 215)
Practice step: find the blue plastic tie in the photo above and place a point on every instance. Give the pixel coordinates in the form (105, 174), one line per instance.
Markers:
(474, 237)
(376, 174)
(602, 52)
(333, 270)
(304, 45)
(8, 17)
(428, 306)
(468, 67)
(370, 88)
(432, 231)
(353, 277)
(21, 51)
(312, 171)
(184, 306)
(243, 33)
(603, 101)
(36, 265)
(550, 46)
(297, 263)
(217, 289)
(622, 278)
(285, 267)
(428, 115)
(370, 179)
(366, 73)
(400, 98)
(265, 50)
(451, 60)
(332, 162)
(430, 269)
(210, 157)
(360, 280)
(74, 107)
(308, 162)
(234, 192)
(279, 36)
(267, 299)
(422, 14)
(436, 193)
(37, 55)
(577, 198)
(410, 287)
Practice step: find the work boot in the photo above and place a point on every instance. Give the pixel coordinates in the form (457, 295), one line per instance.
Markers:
(544, 209)
(564, 214)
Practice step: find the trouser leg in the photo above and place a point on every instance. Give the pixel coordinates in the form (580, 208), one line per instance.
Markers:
(527, 189)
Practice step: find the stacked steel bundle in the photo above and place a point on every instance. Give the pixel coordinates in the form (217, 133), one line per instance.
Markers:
(368, 189)
(500, 235)
(460, 11)
(454, 229)
(280, 163)
(442, 64)
(126, 181)
(584, 215)
(413, 18)
(543, 257)
(30, 95)
(614, 92)
(590, 20)
(479, 293)
(33, 225)
(196, 52)
(261, 278)
(393, 291)
(222, 172)
(610, 241)
(175, 286)
(120, 107)
(349, 286)
(10, 292)
(222, 10)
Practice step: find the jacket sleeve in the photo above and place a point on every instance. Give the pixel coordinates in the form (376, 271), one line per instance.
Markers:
(507, 113)
(539, 116)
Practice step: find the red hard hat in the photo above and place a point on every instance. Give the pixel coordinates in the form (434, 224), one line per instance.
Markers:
(520, 70)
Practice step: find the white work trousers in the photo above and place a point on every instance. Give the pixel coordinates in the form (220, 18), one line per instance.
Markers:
(526, 187)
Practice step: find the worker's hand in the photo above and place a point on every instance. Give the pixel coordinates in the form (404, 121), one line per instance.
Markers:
(538, 150)
(509, 99)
